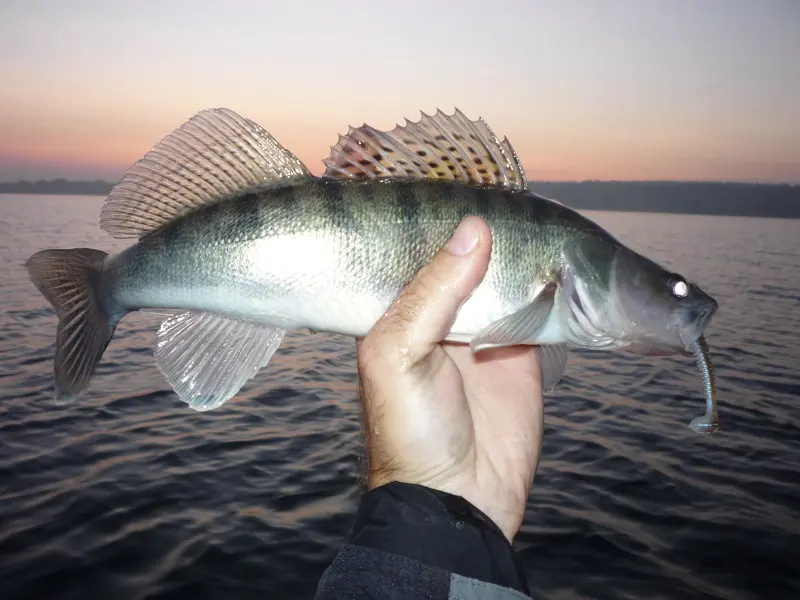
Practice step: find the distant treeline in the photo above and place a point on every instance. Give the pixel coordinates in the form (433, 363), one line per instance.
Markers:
(57, 186)
(712, 198)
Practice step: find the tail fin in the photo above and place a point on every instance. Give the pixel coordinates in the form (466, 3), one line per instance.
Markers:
(70, 280)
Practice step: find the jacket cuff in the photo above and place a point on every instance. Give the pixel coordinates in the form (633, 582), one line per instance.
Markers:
(437, 529)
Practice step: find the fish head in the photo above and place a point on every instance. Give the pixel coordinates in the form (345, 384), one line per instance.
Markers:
(661, 311)
(632, 303)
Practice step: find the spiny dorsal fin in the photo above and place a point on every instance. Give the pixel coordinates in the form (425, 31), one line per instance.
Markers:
(214, 154)
(447, 147)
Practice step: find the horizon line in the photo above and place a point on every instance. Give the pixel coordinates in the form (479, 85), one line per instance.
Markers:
(591, 180)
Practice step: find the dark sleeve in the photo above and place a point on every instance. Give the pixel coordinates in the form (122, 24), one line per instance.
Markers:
(409, 542)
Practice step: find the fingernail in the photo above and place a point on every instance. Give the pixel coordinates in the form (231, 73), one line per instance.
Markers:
(464, 239)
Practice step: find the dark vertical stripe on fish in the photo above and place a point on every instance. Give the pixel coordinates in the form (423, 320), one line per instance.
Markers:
(264, 205)
(484, 203)
(335, 208)
(409, 204)
(248, 210)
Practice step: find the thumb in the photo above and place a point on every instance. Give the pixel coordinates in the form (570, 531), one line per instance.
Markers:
(425, 311)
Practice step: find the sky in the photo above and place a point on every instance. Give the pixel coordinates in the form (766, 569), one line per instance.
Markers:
(584, 89)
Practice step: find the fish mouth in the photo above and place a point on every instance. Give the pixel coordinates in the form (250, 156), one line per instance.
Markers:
(692, 331)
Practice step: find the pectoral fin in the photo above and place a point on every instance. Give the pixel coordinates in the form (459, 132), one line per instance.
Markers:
(207, 358)
(520, 327)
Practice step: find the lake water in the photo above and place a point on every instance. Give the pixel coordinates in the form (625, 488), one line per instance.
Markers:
(131, 495)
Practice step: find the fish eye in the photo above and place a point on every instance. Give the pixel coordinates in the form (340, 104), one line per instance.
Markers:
(679, 287)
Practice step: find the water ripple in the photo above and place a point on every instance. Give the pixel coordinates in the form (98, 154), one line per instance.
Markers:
(131, 495)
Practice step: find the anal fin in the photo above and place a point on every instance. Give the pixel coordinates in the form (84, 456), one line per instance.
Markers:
(207, 358)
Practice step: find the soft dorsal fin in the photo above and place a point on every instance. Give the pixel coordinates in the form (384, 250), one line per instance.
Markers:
(447, 147)
(214, 154)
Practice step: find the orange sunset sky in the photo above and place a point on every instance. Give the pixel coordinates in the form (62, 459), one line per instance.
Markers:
(605, 89)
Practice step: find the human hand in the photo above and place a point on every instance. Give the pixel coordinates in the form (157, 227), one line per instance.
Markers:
(436, 414)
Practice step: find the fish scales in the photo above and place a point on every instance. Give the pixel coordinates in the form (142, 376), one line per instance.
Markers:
(378, 234)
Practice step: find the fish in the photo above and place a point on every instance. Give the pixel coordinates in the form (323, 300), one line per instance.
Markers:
(236, 243)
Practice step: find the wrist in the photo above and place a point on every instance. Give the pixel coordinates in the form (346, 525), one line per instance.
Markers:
(502, 508)
(438, 529)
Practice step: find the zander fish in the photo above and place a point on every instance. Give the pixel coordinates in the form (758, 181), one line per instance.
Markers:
(241, 243)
